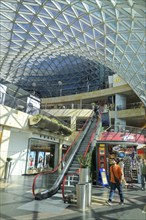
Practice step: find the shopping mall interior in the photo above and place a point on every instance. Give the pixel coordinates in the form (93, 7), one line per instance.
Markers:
(72, 99)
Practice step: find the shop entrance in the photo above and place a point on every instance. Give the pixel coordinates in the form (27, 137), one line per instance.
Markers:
(123, 151)
(40, 157)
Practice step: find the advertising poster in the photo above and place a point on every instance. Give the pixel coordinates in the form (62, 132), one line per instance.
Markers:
(3, 90)
(33, 105)
(31, 159)
(41, 157)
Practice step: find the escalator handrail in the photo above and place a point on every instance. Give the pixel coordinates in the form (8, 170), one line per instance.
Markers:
(91, 139)
(87, 150)
(58, 165)
(63, 172)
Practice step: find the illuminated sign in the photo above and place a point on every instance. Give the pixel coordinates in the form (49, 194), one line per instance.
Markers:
(119, 136)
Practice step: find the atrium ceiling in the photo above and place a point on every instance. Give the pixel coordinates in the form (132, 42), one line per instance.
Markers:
(64, 47)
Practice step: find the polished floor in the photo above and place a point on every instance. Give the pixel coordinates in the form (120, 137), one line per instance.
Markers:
(17, 203)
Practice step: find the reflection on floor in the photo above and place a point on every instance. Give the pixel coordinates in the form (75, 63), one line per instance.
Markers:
(17, 202)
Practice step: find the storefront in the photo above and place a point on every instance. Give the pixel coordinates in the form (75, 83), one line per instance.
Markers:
(41, 156)
(106, 151)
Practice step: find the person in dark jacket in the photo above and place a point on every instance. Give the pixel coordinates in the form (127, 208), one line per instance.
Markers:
(96, 110)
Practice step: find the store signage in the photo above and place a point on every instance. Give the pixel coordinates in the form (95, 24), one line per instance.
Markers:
(116, 148)
(117, 80)
(128, 137)
(101, 150)
(119, 136)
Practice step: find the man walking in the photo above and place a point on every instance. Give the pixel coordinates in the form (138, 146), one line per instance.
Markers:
(115, 182)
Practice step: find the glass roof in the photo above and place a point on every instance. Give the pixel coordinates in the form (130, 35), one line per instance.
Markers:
(77, 43)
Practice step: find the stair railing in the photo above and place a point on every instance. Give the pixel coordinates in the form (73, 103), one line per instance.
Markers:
(41, 181)
(97, 127)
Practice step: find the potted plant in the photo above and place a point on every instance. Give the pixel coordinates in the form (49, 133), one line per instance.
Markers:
(93, 105)
(9, 159)
(85, 164)
(7, 167)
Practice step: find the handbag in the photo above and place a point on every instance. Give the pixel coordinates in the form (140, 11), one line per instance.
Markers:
(116, 179)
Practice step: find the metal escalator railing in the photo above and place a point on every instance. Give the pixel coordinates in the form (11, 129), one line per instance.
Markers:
(68, 176)
(47, 183)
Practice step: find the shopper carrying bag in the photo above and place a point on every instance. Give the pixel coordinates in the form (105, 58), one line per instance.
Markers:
(115, 182)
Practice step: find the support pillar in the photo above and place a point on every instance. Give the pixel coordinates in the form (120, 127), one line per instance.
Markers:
(80, 103)
(73, 123)
(60, 153)
(120, 103)
(5, 139)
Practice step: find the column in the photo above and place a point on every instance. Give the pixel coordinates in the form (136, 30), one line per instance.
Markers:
(5, 139)
(80, 103)
(59, 153)
(120, 103)
(73, 123)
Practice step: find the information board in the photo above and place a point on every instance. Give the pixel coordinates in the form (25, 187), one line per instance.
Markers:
(103, 177)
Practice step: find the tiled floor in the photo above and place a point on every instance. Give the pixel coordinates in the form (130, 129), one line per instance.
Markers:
(17, 203)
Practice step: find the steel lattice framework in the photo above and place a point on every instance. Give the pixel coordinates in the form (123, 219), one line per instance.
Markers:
(77, 42)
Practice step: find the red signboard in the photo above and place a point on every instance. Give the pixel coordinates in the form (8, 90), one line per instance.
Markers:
(126, 137)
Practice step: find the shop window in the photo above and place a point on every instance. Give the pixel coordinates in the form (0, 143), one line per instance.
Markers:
(40, 156)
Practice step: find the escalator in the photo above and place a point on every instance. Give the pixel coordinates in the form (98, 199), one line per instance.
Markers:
(47, 184)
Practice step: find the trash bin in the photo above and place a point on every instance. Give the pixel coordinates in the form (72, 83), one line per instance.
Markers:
(88, 194)
(84, 176)
(81, 196)
(7, 170)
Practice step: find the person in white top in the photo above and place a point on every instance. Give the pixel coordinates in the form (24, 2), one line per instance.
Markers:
(121, 164)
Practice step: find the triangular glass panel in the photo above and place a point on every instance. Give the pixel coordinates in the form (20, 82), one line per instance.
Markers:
(68, 32)
(80, 7)
(76, 24)
(62, 37)
(94, 20)
(33, 30)
(122, 27)
(108, 17)
(86, 19)
(142, 50)
(77, 33)
(140, 36)
(60, 18)
(97, 14)
(56, 33)
(45, 21)
(20, 19)
(69, 18)
(53, 25)
(111, 27)
(30, 38)
(97, 34)
(81, 41)
(48, 34)
(84, 25)
(18, 28)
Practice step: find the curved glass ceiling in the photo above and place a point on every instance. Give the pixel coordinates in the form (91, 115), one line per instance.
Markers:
(71, 46)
